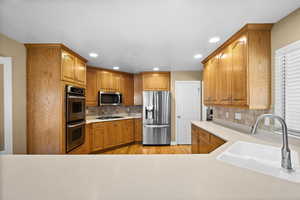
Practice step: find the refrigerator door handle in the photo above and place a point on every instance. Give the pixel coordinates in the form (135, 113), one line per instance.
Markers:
(156, 126)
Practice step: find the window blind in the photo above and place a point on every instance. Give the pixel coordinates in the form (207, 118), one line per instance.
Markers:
(287, 86)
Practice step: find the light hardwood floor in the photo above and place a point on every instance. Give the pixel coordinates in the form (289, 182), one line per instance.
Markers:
(140, 149)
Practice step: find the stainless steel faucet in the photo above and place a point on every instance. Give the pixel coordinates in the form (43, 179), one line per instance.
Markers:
(285, 151)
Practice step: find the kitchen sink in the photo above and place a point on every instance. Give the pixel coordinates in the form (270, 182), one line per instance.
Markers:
(109, 117)
(261, 158)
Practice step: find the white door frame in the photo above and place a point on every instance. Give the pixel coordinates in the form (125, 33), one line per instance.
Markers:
(200, 101)
(8, 128)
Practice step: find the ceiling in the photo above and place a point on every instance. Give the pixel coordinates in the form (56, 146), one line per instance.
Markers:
(136, 35)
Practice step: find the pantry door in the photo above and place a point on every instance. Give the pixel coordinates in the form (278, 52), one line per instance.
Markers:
(188, 108)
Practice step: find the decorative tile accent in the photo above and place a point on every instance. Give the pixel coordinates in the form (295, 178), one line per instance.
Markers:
(112, 110)
(248, 117)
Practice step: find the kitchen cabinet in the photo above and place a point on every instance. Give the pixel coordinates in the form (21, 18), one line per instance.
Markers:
(97, 136)
(109, 81)
(127, 89)
(73, 68)
(105, 81)
(91, 87)
(225, 73)
(238, 73)
(239, 69)
(50, 67)
(204, 142)
(68, 63)
(110, 134)
(138, 130)
(211, 79)
(156, 80)
(138, 89)
(128, 131)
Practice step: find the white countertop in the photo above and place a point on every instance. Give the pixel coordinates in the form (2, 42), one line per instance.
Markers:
(93, 119)
(142, 177)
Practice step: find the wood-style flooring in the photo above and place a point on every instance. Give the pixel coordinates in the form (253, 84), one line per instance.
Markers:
(140, 149)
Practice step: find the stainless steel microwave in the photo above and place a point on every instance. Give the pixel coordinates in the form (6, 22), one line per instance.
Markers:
(110, 98)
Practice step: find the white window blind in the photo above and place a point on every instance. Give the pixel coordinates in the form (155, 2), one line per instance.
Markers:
(287, 86)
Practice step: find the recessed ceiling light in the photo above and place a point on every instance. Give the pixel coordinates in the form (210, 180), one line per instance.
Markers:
(93, 55)
(198, 56)
(155, 68)
(214, 39)
(116, 68)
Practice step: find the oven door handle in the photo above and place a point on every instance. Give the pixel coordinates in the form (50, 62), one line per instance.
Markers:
(75, 125)
(75, 97)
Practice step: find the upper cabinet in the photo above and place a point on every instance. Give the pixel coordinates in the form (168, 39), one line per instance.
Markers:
(238, 73)
(108, 81)
(138, 89)
(91, 87)
(73, 68)
(156, 80)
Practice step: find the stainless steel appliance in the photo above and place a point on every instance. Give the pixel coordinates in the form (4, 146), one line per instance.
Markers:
(156, 118)
(110, 98)
(75, 117)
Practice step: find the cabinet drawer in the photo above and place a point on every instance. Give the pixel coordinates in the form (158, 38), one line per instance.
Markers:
(204, 135)
(99, 124)
(216, 141)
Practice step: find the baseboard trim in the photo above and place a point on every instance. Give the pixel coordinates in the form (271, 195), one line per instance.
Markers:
(173, 143)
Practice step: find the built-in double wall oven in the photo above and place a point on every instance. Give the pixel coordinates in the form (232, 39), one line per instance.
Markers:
(75, 117)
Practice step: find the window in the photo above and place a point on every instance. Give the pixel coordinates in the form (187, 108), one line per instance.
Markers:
(287, 86)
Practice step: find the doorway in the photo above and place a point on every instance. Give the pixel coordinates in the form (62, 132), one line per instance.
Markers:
(188, 108)
(5, 105)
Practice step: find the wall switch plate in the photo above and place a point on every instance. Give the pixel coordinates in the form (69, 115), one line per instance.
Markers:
(267, 121)
(237, 116)
(227, 115)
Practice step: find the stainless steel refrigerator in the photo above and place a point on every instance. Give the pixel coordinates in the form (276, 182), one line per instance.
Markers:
(156, 118)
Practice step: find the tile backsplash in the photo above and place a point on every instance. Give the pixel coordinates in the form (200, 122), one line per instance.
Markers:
(238, 115)
(112, 110)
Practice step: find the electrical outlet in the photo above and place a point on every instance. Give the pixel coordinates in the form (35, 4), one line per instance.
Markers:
(267, 121)
(227, 115)
(237, 116)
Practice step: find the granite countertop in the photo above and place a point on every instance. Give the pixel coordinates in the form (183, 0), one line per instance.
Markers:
(147, 177)
(93, 119)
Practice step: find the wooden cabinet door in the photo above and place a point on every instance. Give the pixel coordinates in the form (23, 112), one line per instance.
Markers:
(109, 135)
(204, 147)
(128, 131)
(195, 140)
(91, 87)
(138, 89)
(104, 80)
(80, 72)
(156, 81)
(213, 80)
(68, 65)
(225, 71)
(138, 130)
(97, 138)
(239, 72)
(148, 82)
(129, 90)
(115, 82)
(206, 81)
(116, 130)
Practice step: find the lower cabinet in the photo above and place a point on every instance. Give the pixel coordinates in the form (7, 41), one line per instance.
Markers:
(110, 134)
(204, 142)
(138, 130)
